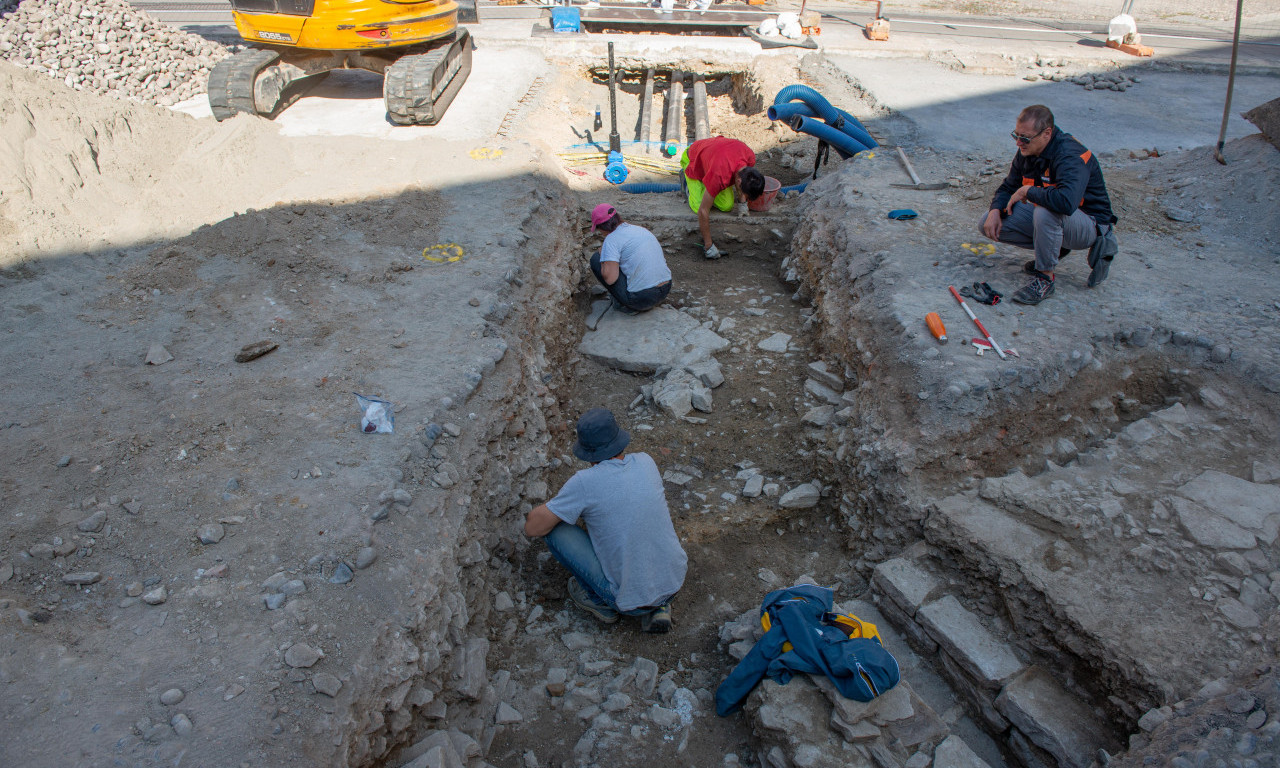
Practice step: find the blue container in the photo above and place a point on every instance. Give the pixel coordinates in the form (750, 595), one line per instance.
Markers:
(564, 19)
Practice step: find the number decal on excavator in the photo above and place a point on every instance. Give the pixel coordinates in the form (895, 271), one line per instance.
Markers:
(283, 37)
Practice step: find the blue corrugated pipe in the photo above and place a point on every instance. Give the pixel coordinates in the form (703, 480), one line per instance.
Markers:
(845, 145)
(851, 127)
(821, 108)
(645, 187)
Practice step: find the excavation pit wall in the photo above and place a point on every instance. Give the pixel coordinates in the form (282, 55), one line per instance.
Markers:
(1043, 527)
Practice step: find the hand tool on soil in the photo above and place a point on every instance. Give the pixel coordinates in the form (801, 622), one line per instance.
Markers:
(982, 345)
(982, 293)
(977, 322)
(936, 327)
(911, 171)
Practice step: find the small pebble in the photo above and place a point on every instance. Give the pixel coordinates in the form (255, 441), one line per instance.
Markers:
(293, 587)
(64, 461)
(156, 596)
(365, 557)
(181, 724)
(341, 575)
(302, 655)
(211, 533)
(326, 683)
(172, 696)
(274, 601)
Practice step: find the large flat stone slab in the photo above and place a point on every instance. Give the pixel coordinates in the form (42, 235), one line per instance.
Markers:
(1252, 506)
(1053, 719)
(989, 661)
(1210, 529)
(904, 583)
(953, 752)
(648, 341)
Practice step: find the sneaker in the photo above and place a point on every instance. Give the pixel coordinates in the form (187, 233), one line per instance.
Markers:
(583, 599)
(1036, 291)
(657, 621)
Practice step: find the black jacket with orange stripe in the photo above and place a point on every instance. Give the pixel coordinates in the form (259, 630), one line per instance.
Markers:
(1064, 177)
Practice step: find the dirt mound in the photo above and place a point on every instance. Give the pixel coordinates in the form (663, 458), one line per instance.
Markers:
(107, 47)
(1193, 187)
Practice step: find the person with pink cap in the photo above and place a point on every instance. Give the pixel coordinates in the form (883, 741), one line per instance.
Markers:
(629, 264)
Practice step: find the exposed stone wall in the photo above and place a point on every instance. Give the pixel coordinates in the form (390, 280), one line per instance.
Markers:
(476, 486)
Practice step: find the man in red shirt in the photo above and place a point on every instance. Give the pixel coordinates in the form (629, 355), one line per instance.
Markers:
(719, 171)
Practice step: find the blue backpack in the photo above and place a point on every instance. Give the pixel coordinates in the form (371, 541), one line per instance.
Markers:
(803, 635)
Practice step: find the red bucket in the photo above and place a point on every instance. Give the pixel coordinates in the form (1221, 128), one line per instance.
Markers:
(762, 203)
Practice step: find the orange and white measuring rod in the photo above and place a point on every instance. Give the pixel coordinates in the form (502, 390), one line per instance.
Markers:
(977, 322)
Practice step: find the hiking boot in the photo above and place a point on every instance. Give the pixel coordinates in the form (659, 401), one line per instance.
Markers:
(583, 599)
(1036, 291)
(657, 621)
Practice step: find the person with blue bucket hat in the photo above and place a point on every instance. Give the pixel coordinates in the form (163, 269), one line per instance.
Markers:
(628, 561)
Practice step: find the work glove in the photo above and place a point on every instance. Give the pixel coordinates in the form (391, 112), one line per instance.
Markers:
(712, 253)
(741, 209)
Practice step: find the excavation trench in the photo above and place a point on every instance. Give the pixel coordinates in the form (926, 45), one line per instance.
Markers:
(944, 511)
(1064, 508)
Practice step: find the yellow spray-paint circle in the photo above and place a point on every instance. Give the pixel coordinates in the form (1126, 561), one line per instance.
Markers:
(485, 153)
(443, 253)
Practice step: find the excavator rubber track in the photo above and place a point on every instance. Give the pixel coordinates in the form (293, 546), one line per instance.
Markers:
(231, 82)
(418, 89)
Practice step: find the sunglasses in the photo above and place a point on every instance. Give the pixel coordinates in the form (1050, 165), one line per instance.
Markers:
(1025, 139)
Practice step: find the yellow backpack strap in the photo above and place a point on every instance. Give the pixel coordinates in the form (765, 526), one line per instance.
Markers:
(853, 626)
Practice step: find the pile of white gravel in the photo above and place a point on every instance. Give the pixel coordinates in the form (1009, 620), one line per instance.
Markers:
(107, 47)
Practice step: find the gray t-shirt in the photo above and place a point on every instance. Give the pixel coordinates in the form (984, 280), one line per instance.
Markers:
(639, 256)
(623, 504)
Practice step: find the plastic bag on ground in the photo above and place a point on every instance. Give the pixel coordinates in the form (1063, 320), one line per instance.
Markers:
(377, 414)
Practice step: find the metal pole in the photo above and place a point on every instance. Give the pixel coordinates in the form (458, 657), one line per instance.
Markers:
(1231, 84)
(675, 106)
(615, 141)
(701, 120)
(646, 110)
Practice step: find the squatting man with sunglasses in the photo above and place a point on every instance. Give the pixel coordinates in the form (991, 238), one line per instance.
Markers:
(1053, 201)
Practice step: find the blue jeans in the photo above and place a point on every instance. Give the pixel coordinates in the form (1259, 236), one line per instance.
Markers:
(639, 301)
(572, 547)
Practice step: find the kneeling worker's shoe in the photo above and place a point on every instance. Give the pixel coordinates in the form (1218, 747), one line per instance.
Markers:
(656, 621)
(583, 599)
(1036, 291)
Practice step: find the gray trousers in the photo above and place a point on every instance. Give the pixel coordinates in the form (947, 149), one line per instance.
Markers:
(1046, 232)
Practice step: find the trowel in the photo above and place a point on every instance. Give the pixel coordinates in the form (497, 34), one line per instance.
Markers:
(912, 171)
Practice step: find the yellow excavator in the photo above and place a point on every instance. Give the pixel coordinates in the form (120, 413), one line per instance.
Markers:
(418, 48)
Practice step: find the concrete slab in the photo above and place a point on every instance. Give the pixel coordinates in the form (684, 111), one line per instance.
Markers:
(903, 582)
(957, 111)
(349, 102)
(989, 661)
(646, 342)
(1053, 719)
